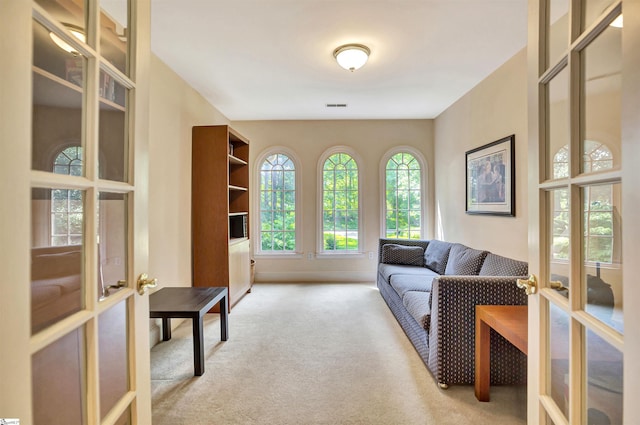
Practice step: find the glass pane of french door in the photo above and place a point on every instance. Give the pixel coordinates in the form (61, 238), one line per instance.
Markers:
(57, 252)
(59, 381)
(557, 30)
(113, 350)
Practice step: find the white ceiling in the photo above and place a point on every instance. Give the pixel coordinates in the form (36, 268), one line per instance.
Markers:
(273, 59)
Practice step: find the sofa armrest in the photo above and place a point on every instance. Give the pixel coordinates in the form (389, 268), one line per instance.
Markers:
(405, 242)
(452, 328)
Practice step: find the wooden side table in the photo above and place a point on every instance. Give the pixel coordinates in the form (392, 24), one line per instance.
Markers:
(511, 322)
(190, 303)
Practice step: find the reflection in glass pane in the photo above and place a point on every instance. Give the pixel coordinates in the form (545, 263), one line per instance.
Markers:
(602, 253)
(114, 384)
(558, 126)
(558, 216)
(58, 380)
(113, 128)
(56, 255)
(112, 242)
(58, 85)
(69, 13)
(592, 9)
(69, 161)
(604, 378)
(114, 34)
(601, 89)
(557, 31)
(558, 373)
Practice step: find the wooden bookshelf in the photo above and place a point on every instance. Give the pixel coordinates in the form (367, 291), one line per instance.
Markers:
(219, 198)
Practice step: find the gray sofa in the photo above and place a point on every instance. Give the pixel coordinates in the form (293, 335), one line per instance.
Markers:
(432, 288)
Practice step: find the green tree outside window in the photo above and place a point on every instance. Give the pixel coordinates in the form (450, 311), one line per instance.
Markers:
(340, 203)
(277, 204)
(403, 194)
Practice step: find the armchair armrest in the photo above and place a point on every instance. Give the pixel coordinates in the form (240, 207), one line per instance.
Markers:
(452, 328)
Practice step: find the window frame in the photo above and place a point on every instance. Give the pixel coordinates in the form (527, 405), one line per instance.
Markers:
(587, 167)
(423, 187)
(320, 251)
(258, 252)
(79, 158)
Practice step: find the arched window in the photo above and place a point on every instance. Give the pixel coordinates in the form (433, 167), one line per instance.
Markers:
(67, 204)
(598, 206)
(340, 203)
(403, 195)
(277, 202)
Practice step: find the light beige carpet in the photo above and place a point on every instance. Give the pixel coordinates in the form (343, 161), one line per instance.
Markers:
(312, 354)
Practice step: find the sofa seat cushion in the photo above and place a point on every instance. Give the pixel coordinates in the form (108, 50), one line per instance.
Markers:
(403, 254)
(64, 285)
(402, 283)
(388, 270)
(496, 265)
(417, 304)
(436, 255)
(464, 261)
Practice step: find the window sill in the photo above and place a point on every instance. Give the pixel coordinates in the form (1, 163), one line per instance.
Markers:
(336, 255)
(279, 256)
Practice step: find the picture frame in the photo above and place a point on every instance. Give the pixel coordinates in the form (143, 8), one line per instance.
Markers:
(490, 178)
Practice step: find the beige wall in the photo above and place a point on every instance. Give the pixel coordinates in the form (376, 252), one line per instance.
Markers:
(495, 108)
(174, 107)
(309, 140)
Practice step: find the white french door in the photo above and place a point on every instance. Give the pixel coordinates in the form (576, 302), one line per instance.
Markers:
(73, 231)
(583, 148)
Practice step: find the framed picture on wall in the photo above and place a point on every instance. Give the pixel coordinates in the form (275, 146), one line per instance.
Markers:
(490, 178)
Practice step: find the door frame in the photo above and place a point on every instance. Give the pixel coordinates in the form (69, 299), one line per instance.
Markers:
(15, 166)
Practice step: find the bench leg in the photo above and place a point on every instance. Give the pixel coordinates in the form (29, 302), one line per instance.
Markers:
(224, 315)
(198, 346)
(166, 328)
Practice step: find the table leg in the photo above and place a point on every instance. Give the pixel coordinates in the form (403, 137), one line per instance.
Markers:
(198, 346)
(483, 358)
(166, 328)
(224, 314)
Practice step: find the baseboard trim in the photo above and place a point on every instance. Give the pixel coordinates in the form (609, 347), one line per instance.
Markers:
(327, 276)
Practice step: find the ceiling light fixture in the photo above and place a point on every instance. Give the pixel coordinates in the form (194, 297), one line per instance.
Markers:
(352, 56)
(77, 33)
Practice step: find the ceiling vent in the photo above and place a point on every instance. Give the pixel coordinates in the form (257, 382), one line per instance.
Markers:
(336, 105)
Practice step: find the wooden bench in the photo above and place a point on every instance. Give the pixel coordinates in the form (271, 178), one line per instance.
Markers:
(190, 303)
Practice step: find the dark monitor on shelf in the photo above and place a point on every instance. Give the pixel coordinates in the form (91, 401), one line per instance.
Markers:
(238, 226)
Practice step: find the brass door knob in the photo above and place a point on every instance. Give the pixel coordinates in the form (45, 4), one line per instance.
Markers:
(144, 282)
(530, 285)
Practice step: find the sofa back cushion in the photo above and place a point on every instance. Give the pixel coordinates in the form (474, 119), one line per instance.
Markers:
(496, 265)
(402, 254)
(464, 261)
(436, 255)
(54, 262)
